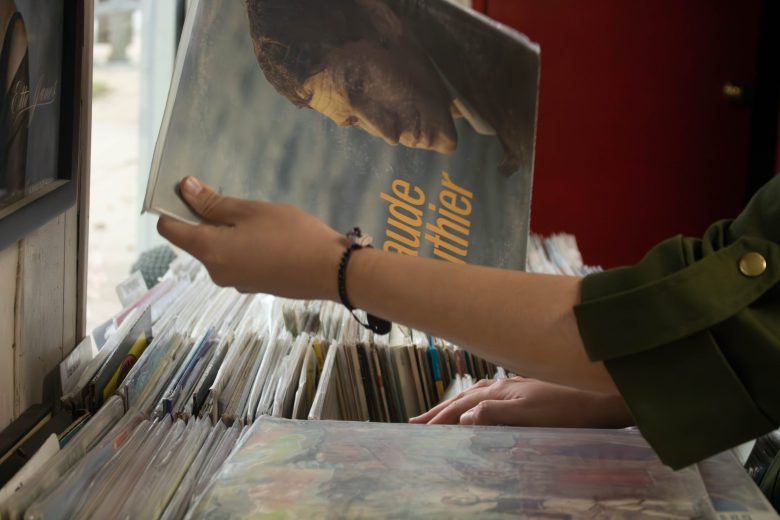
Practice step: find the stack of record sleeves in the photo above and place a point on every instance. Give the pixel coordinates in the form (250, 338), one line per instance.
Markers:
(189, 366)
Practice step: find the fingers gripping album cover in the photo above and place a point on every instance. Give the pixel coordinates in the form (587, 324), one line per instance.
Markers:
(413, 119)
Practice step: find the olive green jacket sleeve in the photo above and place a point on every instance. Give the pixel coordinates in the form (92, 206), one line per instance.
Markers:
(691, 334)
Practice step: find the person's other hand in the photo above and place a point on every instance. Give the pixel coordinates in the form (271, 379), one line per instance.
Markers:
(258, 246)
(527, 402)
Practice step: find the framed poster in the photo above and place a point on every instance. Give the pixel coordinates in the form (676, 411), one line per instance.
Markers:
(41, 73)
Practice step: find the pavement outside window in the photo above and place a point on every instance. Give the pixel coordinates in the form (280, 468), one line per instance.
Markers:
(114, 201)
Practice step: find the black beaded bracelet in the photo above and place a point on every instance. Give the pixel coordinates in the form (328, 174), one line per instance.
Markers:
(343, 275)
(358, 241)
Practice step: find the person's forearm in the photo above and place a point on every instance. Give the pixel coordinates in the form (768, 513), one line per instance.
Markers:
(525, 322)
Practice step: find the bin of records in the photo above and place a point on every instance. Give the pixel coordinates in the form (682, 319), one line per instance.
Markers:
(192, 371)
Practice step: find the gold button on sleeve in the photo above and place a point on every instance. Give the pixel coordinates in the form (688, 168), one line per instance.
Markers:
(752, 264)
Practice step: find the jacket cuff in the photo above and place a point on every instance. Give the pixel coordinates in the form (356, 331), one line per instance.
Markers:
(691, 299)
(686, 400)
(651, 325)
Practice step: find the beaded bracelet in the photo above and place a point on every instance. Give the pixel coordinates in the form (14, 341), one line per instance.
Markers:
(357, 240)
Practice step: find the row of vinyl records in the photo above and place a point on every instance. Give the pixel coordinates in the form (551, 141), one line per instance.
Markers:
(190, 365)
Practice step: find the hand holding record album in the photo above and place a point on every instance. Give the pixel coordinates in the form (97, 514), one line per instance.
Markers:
(456, 91)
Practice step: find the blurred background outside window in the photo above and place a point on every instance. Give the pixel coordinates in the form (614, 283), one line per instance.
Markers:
(135, 46)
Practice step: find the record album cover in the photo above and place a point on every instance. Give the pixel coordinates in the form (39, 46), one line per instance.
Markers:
(412, 119)
(299, 469)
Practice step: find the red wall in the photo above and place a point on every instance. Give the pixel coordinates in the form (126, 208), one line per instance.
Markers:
(636, 141)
